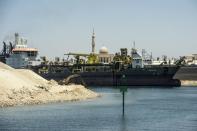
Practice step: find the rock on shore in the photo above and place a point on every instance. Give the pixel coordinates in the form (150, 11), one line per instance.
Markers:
(22, 86)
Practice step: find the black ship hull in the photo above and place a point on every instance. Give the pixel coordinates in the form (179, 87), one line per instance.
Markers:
(130, 81)
(154, 76)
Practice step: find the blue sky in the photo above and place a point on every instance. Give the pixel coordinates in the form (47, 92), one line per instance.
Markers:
(56, 27)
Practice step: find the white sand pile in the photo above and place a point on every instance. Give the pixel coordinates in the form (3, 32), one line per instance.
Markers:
(22, 86)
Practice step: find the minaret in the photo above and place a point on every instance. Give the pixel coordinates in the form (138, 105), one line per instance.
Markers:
(93, 42)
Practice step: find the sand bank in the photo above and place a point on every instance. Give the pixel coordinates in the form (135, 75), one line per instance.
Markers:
(22, 86)
(188, 83)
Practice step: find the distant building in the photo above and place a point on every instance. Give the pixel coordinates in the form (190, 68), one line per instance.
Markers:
(93, 42)
(195, 56)
(104, 56)
(191, 59)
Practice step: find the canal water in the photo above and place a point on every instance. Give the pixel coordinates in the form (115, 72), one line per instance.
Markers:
(146, 109)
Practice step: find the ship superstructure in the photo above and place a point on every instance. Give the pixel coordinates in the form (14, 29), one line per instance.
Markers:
(18, 54)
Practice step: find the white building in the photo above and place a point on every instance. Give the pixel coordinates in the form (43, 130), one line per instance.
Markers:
(104, 56)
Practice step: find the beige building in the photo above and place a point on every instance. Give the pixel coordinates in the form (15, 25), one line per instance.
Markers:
(191, 59)
(104, 56)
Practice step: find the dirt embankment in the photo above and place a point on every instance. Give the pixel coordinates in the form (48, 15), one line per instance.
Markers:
(22, 86)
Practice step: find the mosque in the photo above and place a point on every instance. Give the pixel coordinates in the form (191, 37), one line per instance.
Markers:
(103, 55)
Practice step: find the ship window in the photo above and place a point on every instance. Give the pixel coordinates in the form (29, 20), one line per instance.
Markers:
(76, 70)
(31, 53)
(87, 69)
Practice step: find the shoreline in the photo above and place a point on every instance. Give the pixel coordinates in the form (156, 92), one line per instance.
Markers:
(187, 83)
(25, 87)
(41, 96)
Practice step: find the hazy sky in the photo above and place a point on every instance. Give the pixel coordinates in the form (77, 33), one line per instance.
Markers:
(56, 27)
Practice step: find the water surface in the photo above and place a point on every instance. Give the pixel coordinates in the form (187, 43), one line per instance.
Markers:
(146, 109)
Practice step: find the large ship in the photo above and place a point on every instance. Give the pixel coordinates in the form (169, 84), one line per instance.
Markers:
(104, 69)
(93, 69)
(188, 72)
(113, 75)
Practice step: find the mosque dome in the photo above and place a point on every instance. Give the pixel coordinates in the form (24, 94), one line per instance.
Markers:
(103, 50)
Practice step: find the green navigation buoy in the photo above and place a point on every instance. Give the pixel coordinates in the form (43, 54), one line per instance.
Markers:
(123, 89)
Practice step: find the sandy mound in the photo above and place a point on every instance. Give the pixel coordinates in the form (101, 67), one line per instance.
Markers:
(22, 86)
(4, 66)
